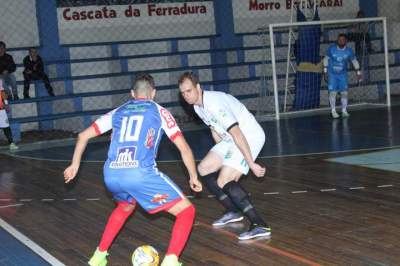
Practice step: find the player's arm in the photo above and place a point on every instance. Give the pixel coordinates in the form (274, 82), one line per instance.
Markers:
(100, 126)
(217, 138)
(80, 147)
(173, 132)
(356, 64)
(326, 62)
(243, 145)
(188, 160)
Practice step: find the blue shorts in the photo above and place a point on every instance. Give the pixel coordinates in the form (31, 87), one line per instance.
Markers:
(338, 82)
(153, 190)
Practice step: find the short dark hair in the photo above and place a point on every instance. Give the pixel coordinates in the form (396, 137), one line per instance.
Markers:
(188, 76)
(2, 44)
(342, 35)
(143, 81)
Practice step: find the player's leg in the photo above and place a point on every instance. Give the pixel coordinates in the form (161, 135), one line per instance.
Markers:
(332, 89)
(207, 167)
(344, 94)
(115, 222)
(228, 180)
(125, 207)
(157, 192)
(184, 212)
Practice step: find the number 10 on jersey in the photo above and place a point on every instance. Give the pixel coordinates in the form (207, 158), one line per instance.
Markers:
(130, 128)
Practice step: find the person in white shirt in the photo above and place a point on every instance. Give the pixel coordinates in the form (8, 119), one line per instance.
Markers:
(239, 139)
(4, 124)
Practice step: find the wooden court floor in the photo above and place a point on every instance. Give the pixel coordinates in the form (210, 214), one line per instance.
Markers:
(358, 223)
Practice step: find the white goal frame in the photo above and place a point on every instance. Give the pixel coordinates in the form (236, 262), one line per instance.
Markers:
(289, 25)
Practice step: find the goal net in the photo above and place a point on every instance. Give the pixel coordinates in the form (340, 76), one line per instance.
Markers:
(293, 77)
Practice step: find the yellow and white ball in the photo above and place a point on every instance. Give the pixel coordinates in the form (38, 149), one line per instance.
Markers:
(145, 256)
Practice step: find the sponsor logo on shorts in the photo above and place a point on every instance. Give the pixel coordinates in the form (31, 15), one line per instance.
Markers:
(125, 158)
(161, 199)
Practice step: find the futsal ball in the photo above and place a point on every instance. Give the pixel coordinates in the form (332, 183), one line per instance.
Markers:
(145, 256)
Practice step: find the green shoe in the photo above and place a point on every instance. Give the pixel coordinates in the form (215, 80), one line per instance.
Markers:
(99, 258)
(171, 260)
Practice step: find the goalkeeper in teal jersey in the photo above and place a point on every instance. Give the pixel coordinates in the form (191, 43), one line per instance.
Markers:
(335, 66)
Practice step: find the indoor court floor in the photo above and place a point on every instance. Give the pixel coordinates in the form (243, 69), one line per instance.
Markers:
(331, 195)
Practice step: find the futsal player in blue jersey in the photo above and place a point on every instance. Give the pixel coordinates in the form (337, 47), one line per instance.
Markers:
(335, 66)
(130, 172)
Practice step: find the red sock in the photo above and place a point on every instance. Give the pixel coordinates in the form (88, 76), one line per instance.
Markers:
(115, 222)
(181, 230)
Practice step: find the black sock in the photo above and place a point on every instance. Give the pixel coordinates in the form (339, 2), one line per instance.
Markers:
(7, 132)
(211, 183)
(241, 199)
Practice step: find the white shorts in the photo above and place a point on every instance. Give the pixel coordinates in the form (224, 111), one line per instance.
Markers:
(233, 157)
(3, 119)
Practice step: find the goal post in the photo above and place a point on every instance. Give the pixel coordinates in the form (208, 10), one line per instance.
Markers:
(291, 81)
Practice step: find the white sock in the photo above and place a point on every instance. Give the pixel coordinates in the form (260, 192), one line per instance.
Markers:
(332, 99)
(344, 100)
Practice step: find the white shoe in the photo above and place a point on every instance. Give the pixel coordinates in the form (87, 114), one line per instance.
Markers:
(345, 113)
(13, 147)
(334, 114)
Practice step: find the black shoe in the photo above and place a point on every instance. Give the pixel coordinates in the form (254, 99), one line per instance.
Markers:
(26, 96)
(15, 98)
(51, 94)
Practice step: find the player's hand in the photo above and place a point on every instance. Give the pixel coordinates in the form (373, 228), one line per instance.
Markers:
(195, 185)
(70, 173)
(258, 170)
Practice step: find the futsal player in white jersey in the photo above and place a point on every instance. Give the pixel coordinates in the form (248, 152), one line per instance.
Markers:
(239, 139)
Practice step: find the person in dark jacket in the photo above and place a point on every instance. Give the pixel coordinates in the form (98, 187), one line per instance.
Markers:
(7, 68)
(34, 70)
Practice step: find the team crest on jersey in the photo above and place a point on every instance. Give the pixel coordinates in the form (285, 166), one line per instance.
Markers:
(168, 118)
(125, 158)
(161, 199)
(150, 138)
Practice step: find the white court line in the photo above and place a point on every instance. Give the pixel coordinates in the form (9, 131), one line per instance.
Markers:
(69, 199)
(93, 199)
(5, 199)
(271, 193)
(47, 199)
(30, 244)
(299, 191)
(211, 196)
(383, 186)
(12, 205)
(25, 200)
(355, 188)
(189, 196)
(260, 157)
(328, 189)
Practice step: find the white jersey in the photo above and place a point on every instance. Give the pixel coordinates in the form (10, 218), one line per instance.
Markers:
(221, 111)
(3, 115)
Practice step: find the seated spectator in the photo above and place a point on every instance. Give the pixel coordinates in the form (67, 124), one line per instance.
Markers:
(7, 67)
(34, 70)
(4, 108)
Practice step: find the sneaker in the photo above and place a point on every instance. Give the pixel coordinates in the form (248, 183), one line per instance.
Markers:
(15, 98)
(26, 96)
(345, 113)
(13, 147)
(99, 258)
(171, 260)
(255, 231)
(334, 114)
(229, 217)
(51, 94)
